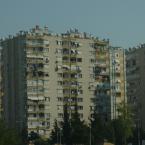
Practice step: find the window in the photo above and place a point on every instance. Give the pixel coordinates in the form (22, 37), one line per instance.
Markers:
(80, 107)
(79, 59)
(65, 59)
(47, 115)
(79, 75)
(59, 107)
(46, 42)
(40, 49)
(59, 74)
(92, 108)
(73, 76)
(47, 99)
(47, 60)
(41, 115)
(60, 99)
(41, 106)
(58, 42)
(80, 91)
(133, 62)
(46, 74)
(66, 75)
(60, 123)
(43, 123)
(59, 83)
(66, 51)
(117, 55)
(80, 99)
(92, 60)
(58, 50)
(93, 100)
(73, 59)
(78, 68)
(60, 115)
(46, 50)
(117, 86)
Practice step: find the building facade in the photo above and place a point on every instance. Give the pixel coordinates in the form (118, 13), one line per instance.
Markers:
(117, 79)
(42, 72)
(135, 58)
(111, 80)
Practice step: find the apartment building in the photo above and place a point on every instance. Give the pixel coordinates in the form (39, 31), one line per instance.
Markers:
(111, 80)
(42, 72)
(117, 79)
(135, 58)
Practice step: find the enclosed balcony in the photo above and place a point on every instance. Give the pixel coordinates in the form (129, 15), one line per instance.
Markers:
(103, 86)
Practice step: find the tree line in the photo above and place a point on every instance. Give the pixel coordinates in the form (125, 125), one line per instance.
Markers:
(74, 131)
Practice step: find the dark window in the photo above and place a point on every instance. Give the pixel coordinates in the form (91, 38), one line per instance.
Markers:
(133, 62)
(79, 59)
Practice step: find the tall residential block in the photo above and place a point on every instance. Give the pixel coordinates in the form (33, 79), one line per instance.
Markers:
(42, 72)
(111, 80)
(117, 79)
(135, 58)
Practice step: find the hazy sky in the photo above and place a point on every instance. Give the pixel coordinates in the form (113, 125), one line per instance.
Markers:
(122, 21)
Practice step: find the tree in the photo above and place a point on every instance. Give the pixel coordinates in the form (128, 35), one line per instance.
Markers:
(97, 129)
(24, 136)
(54, 133)
(8, 136)
(66, 127)
(33, 136)
(40, 141)
(123, 125)
(79, 129)
(109, 134)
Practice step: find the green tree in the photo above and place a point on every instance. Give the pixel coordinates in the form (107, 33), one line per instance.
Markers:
(123, 125)
(97, 129)
(33, 136)
(66, 127)
(8, 136)
(109, 134)
(24, 136)
(80, 131)
(40, 141)
(54, 136)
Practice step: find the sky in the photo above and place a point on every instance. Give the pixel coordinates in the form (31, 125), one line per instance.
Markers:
(122, 21)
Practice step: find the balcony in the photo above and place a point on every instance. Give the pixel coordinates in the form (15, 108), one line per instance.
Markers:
(104, 86)
(104, 73)
(101, 64)
(32, 118)
(101, 57)
(118, 90)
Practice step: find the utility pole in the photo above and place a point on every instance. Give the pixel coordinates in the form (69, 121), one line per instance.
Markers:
(60, 137)
(138, 132)
(90, 135)
(57, 136)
